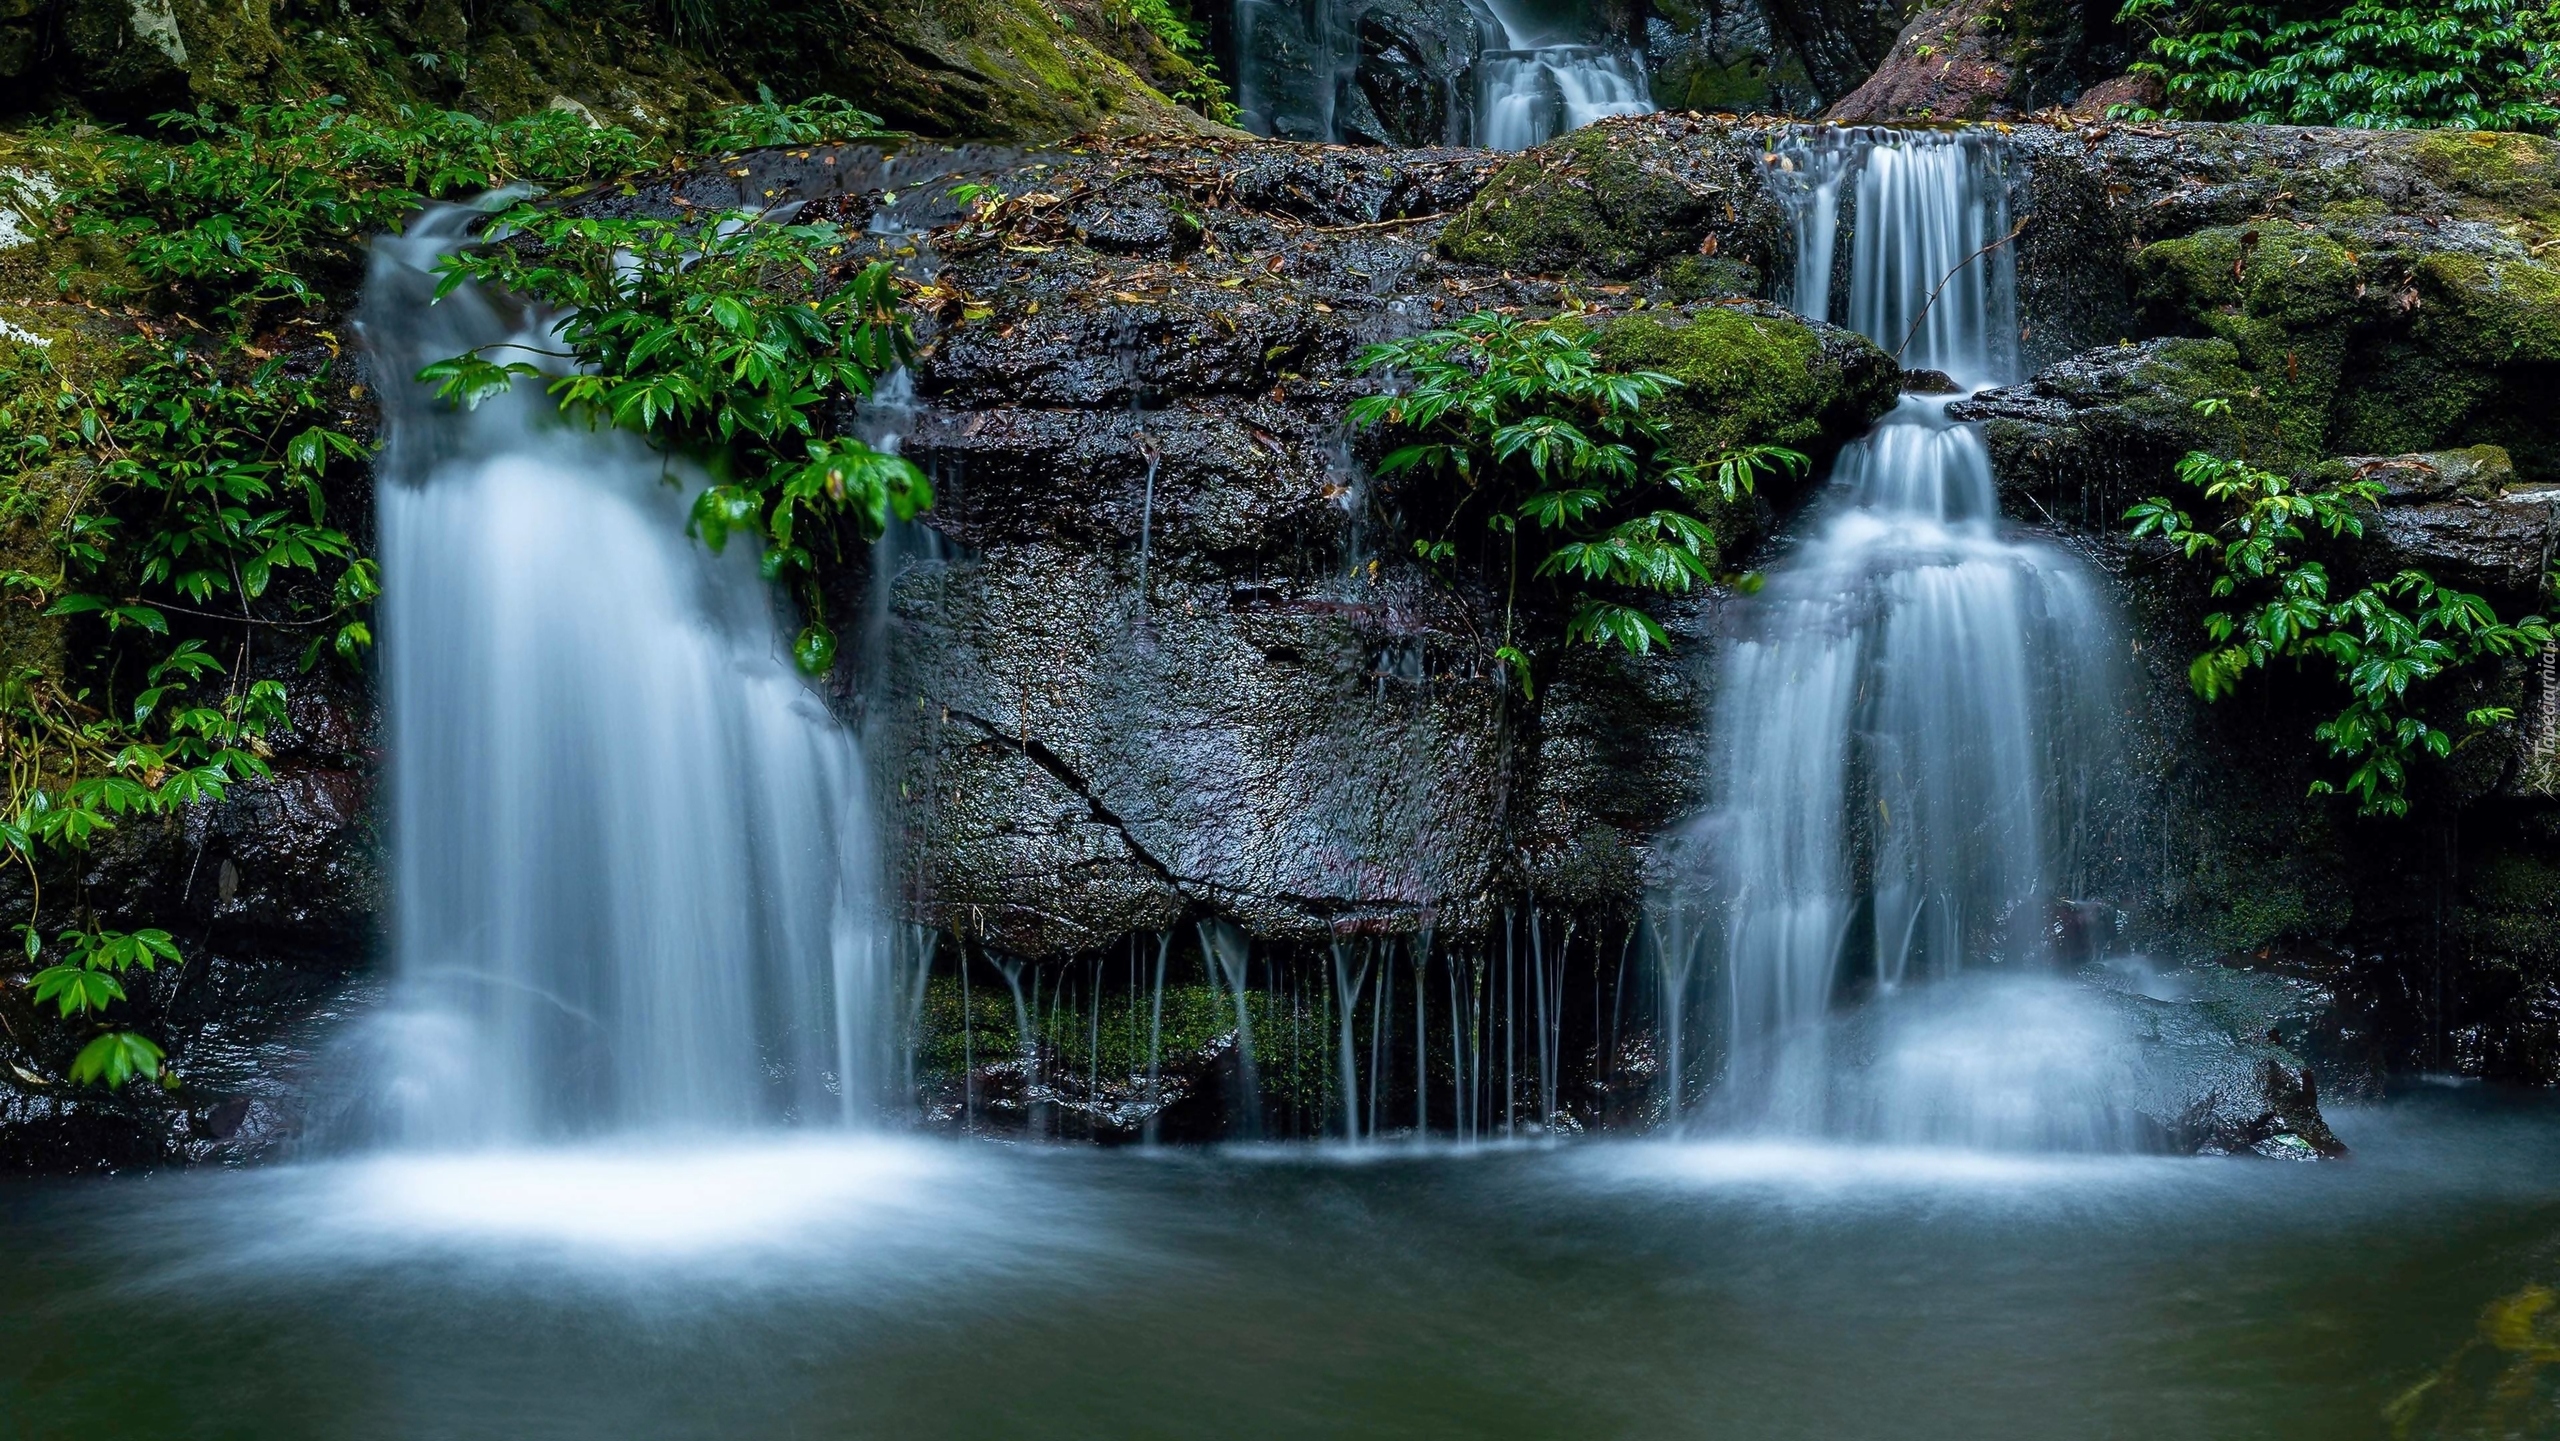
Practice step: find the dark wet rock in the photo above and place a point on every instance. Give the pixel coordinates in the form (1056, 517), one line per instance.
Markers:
(1414, 81)
(1183, 663)
(2214, 1074)
(1838, 42)
(1721, 55)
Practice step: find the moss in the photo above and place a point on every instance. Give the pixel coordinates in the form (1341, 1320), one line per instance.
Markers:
(996, 68)
(2285, 296)
(1751, 377)
(2496, 176)
(1584, 204)
(2482, 311)
(1701, 277)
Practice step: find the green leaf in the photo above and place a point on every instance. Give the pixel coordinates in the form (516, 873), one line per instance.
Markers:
(115, 1058)
(814, 650)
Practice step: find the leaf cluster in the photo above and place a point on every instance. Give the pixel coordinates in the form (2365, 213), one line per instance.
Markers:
(818, 120)
(2384, 641)
(733, 343)
(1545, 443)
(87, 980)
(2374, 64)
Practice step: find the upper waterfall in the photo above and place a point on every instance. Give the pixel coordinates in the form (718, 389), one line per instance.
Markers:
(630, 851)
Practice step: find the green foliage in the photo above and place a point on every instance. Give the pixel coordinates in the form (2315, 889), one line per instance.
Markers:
(266, 205)
(2465, 64)
(1196, 81)
(818, 120)
(732, 343)
(2384, 641)
(1523, 417)
(188, 487)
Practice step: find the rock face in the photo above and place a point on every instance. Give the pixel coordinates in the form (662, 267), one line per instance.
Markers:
(1377, 72)
(1996, 59)
(2364, 303)
(1184, 662)
(1723, 55)
(1009, 68)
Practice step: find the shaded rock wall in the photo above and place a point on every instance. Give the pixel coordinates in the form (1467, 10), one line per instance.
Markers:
(1183, 662)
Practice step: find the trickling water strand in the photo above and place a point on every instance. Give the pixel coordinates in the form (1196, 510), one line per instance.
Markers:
(1911, 711)
(631, 860)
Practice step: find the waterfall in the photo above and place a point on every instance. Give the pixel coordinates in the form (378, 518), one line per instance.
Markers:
(1537, 87)
(1295, 64)
(631, 865)
(1911, 720)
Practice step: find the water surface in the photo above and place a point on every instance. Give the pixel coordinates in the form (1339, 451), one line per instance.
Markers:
(825, 1288)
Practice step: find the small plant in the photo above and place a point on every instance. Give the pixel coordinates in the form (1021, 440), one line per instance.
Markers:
(2465, 64)
(2384, 641)
(1521, 415)
(86, 982)
(818, 120)
(730, 343)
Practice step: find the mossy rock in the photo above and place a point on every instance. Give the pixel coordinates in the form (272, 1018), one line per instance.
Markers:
(1752, 376)
(1617, 201)
(2285, 296)
(2495, 176)
(981, 68)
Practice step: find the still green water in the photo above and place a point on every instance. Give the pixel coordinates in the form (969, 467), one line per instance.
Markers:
(1617, 1289)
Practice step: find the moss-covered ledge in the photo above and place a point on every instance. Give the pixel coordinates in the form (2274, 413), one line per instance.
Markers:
(1752, 375)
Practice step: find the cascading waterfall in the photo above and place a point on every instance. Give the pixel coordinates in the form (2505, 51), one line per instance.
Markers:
(1537, 87)
(1912, 719)
(631, 857)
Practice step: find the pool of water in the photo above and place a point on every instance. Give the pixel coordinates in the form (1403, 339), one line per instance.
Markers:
(1604, 1289)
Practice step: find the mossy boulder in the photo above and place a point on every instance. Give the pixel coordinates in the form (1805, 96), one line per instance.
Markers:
(1752, 375)
(1622, 199)
(2364, 337)
(991, 68)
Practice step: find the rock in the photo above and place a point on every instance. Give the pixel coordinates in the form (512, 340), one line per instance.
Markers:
(1287, 723)
(1720, 55)
(1839, 42)
(2102, 100)
(1758, 373)
(1993, 59)
(1947, 64)
(1619, 199)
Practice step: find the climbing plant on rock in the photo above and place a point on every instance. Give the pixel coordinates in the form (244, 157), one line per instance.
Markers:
(2384, 641)
(1569, 475)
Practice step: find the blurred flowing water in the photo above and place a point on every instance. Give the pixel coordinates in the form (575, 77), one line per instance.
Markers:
(830, 1286)
(1912, 720)
(631, 856)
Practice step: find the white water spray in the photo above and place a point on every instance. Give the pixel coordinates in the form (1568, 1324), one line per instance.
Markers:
(632, 863)
(1538, 86)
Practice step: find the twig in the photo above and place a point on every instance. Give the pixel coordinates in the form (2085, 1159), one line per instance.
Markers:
(1382, 224)
(1950, 275)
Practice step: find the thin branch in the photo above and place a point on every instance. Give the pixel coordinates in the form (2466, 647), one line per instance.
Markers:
(1950, 275)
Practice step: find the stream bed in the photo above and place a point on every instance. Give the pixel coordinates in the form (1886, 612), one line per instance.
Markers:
(816, 1287)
